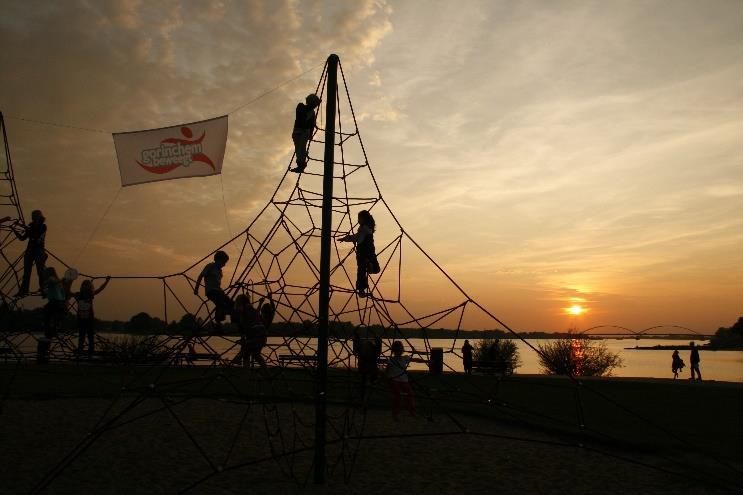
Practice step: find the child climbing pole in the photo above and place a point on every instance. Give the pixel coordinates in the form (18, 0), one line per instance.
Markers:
(304, 124)
(35, 253)
(366, 255)
(212, 277)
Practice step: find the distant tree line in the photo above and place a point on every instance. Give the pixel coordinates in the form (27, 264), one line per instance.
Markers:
(144, 324)
(729, 337)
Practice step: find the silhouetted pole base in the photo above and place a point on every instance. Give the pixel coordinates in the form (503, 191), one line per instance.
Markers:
(436, 361)
(42, 351)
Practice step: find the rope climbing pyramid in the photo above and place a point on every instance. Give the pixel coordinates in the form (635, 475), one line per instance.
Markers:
(278, 254)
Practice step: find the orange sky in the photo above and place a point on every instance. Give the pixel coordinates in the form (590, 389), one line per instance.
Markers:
(544, 153)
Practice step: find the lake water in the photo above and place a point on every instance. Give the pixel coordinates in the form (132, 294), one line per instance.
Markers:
(715, 365)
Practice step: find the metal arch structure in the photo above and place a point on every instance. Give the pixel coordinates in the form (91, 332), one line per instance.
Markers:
(677, 327)
(589, 331)
(647, 332)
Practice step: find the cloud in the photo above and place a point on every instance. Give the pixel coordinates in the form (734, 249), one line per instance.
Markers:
(375, 80)
(723, 190)
(127, 65)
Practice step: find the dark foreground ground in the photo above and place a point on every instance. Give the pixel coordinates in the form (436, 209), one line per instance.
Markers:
(102, 429)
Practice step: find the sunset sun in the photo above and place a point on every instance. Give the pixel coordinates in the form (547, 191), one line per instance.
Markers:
(575, 309)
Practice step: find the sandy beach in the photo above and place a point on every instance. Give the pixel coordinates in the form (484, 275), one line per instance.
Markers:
(211, 441)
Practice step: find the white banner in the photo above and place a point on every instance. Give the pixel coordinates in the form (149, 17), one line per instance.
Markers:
(188, 150)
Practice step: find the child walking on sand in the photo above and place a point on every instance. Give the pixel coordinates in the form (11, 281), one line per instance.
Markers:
(212, 276)
(397, 374)
(677, 364)
(85, 314)
(366, 255)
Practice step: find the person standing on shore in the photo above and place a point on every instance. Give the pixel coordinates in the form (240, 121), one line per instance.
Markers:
(677, 364)
(694, 359)
(467, 357)
(494, 356)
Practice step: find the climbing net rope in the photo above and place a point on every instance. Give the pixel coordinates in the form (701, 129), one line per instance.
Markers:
(275, 254)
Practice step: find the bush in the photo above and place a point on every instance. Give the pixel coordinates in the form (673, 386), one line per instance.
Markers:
(508, 353)
(131, 349)
(577, 356)
(142, 323)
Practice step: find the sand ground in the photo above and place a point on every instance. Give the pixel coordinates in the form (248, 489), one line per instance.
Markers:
(166, 444)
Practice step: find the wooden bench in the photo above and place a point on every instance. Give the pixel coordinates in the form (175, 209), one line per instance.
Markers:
(297, 358)
(190, 357)
(492, 367)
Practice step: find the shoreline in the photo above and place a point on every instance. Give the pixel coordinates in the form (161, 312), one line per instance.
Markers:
(682, 348)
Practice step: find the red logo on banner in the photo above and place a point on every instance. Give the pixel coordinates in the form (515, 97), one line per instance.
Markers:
(175, 152)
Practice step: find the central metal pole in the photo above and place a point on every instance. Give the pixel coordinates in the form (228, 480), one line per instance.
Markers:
(327, 219)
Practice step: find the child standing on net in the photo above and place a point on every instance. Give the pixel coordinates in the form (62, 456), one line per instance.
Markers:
(366, 255)
(212, 276)
(85, 314)
(397, 374)
(304, 124)
(35, 253)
